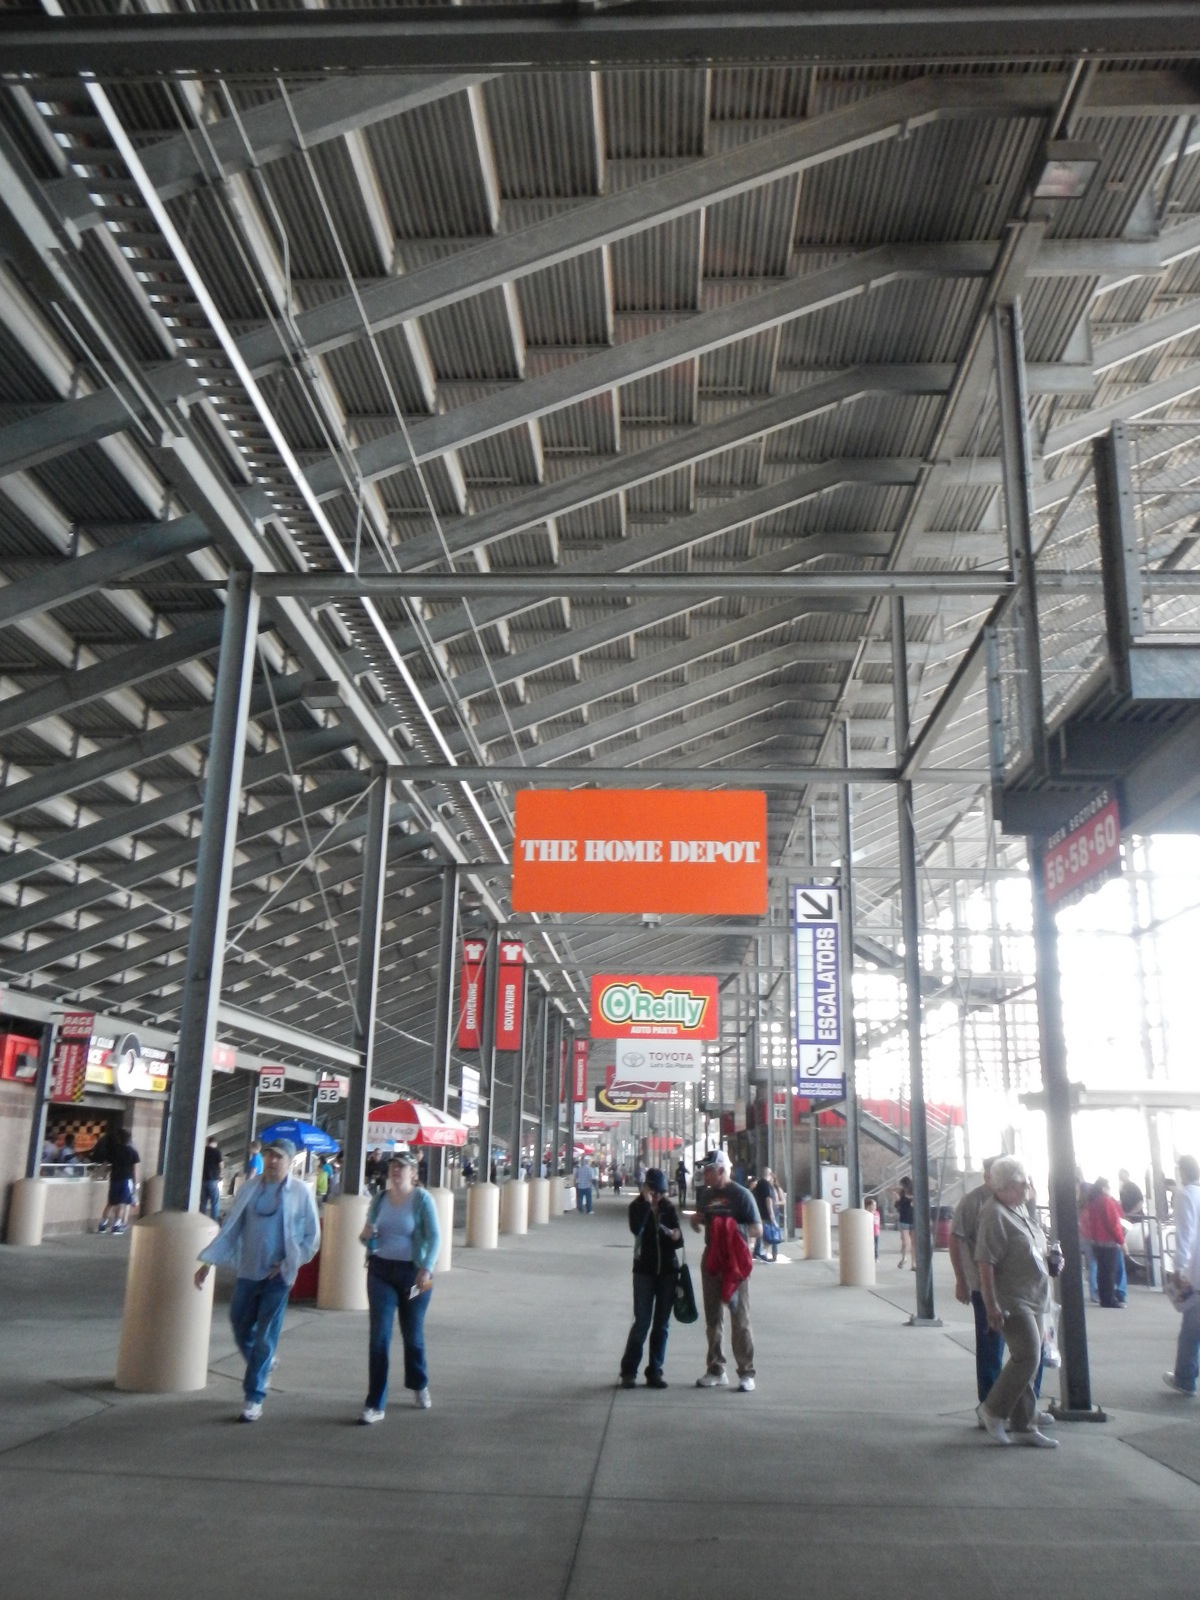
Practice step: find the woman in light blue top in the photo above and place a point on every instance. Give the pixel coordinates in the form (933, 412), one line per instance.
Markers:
(403, 1240)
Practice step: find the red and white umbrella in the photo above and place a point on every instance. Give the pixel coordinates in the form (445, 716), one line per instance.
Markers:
(412, 1122)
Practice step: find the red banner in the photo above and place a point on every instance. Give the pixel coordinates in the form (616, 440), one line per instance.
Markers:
(470, 1006)
(510, 995)
(68, 1066)
(1085, 853)
(579, 1072)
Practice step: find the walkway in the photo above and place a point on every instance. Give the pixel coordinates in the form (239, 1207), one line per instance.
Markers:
(854, 1471)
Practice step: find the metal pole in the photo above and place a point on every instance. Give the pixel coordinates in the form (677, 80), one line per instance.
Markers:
(910, 912)
(853, 1159)
(443, 1015)
(487, 1048)
(203, 968)
(518, 1137)
(545, 1054)
(1076, 1382)
(366, 978)
(559, 1089)
(252, 1111)
(41, 1100)
(770, 1057)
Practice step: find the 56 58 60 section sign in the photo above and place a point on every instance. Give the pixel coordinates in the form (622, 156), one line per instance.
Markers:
(1084, 853)
(641, 850)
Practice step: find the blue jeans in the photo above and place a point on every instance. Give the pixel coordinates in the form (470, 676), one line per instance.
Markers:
(1187, 1351)
(583, 1199)
(210, 1199)
(989, 1348)
(1093, 1269)
(653, 1298)
(389, 1284)
(256, 1312)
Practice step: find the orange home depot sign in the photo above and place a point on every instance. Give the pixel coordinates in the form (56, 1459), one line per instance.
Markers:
(665, 1007)
(641, 850)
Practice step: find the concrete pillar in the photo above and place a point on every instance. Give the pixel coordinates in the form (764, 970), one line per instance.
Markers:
(483, 1216)
(570, 1201)
(166, 1321)
(443, 1199)
(555, 1201)
(539, 1200)
(152, 1194)
(342, 1284)
(26, 1212)
(514, 1207)
(818, 1245)
(856, 1248)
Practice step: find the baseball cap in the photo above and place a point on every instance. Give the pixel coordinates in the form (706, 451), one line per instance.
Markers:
(718, 1158)
(656, 1179)
(284, 1146)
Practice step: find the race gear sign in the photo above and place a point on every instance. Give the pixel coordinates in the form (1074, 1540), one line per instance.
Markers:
(470, 1004)
(68, 1065)
(510, 995)
(817, 913)
(641, 850)
(1083, 854)
(579, 1068)
(625, 1006)
(616, 1102)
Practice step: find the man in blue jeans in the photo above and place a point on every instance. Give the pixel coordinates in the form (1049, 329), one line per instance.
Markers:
(1186, 1277)
(585, 1177)
(272, 1229)
(964, 1229)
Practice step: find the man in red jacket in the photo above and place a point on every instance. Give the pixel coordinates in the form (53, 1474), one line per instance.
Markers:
(719, 1196)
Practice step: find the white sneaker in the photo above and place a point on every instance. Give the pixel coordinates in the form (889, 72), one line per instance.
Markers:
(713, 1380)
(747, 1386)
(1035, 1440)
(992, 1426)
(251, 1411)
(370, 1416)
(1172, 1382)
(422, 1400)
(1044, 1419)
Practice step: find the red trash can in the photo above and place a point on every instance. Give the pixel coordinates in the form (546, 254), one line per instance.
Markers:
(305, 1286)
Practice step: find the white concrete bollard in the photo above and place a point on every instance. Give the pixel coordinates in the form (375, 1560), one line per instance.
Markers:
(856, 1248)
(443, 1199)
(539, 1201)
(818, 1245)
(342, 1279)
(570, 1201)
(483, 1216)
(514, 1207)
(26, 1212)
(166, 1321)
(556, 1197)
(152, 1194)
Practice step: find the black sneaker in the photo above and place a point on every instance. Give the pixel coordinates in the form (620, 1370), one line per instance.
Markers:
(628, 1383)
(655, 1380)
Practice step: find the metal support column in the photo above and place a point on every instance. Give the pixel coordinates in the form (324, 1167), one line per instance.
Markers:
(366, 978)
(910, 911)
(853, 1159)
(519, 1070)
(543, 1075)
(487, 1051)
(1075, 1385)
(205, 963)
(41, 1100)
(443, 1015)
(559, 1087)
(252, 1111)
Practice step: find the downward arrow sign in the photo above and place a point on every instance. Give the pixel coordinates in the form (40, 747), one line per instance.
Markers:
(822, 910)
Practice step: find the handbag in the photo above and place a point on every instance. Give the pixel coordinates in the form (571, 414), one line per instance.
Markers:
(772, 1233)
(685, 1295)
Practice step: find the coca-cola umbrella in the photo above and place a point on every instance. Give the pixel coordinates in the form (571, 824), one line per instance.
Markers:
(413, 1122)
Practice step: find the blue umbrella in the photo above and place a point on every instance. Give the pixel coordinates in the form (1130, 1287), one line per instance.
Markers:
(304, 1135)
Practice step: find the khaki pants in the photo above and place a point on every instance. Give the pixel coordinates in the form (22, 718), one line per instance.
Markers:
(1012, 1398)
(741, 1337)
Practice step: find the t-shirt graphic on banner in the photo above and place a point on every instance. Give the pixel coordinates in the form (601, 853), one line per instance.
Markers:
(817, 916)
(510, 995)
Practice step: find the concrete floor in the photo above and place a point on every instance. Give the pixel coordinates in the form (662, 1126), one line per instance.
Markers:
(855, 1470)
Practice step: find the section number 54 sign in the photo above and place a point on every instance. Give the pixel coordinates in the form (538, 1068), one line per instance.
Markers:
(817, 927)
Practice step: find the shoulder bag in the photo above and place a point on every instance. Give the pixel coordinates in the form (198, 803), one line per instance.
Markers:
(685, 1295)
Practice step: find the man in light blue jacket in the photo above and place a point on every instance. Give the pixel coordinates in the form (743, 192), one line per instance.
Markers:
(272, 1229)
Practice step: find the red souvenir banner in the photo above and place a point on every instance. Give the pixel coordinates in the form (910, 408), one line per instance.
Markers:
(68, 1065)
(510, 995)
(470, 1006)
(579, 1072)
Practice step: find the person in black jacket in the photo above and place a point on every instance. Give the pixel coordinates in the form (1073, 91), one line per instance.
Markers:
(655, 1223)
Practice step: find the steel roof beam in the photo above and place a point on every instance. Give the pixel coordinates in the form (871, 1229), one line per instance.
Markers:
(637, 34)
(264, 133)
(59, 779)
(128, 821)
(609, 777)
(122, 876)
(70, 690)
(149, 546)
(1136, 403)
